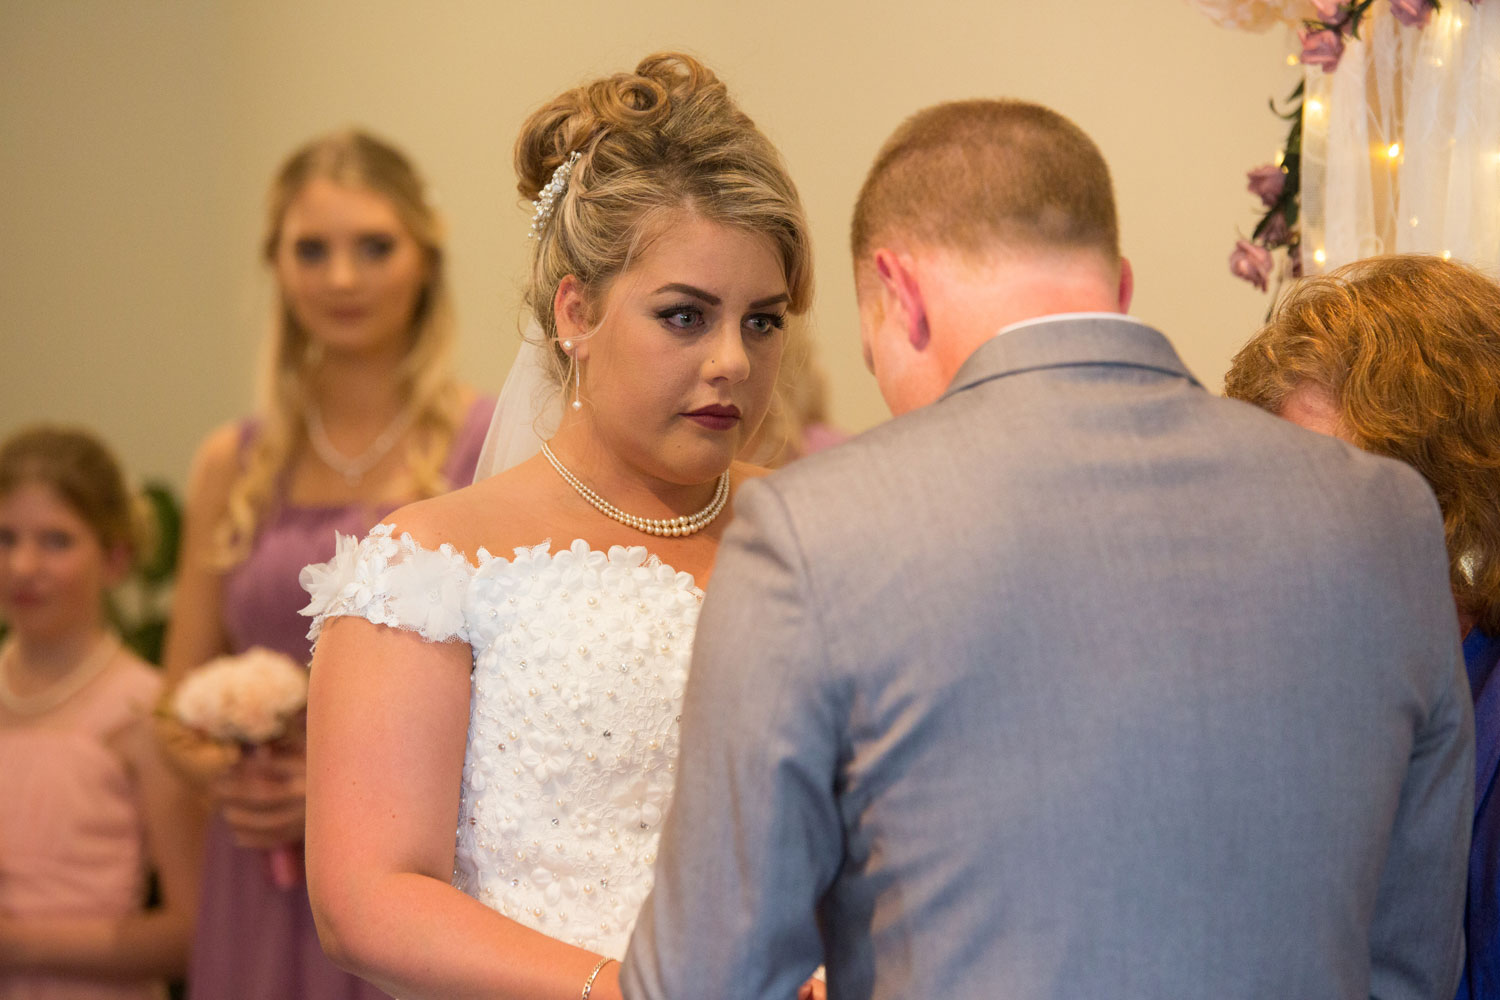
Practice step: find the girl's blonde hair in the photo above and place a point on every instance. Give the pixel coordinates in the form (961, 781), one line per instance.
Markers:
(667, 136)
(354, 159)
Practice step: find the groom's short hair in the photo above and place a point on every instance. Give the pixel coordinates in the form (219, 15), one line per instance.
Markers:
(983, 176)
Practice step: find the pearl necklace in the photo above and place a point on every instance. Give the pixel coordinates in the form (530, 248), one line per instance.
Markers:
(353, 469)
(674, 527)
(45, 700)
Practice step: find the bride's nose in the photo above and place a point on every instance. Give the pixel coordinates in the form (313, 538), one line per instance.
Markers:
(727, 359)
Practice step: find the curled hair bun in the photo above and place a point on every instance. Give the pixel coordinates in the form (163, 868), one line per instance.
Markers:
(665, 136)
(617, 106)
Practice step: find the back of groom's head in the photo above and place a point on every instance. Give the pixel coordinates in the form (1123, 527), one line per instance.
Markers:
(984, 177)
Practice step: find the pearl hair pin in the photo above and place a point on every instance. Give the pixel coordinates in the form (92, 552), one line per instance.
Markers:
(670, 527)
(547, 197)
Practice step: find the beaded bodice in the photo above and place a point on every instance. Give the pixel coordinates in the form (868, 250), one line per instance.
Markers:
(580, 658)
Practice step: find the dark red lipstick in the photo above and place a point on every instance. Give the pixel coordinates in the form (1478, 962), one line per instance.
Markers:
(715, 418)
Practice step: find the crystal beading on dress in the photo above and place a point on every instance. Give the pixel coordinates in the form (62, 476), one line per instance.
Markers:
(580, 657)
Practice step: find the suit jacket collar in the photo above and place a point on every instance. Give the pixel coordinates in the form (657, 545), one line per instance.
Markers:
(1092, 339)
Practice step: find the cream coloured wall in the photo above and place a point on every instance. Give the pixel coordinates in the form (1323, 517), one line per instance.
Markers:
(136, 141)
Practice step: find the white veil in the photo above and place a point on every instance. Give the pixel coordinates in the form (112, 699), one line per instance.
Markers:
(527, 412)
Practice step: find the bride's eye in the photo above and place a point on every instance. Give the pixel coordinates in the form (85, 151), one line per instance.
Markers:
(765, 323)
(681, 317)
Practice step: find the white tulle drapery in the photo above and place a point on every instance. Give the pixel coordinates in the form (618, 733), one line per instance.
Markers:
(1401, 144)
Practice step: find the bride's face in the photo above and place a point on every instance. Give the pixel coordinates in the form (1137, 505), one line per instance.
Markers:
(679, 370)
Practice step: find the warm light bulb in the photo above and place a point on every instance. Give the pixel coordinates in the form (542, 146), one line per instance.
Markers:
(1320, 256)
(1447, 254)
(1292, 59)
(1315, 107)
(1393, 150)
(1280, 157)
(1458, 22)
(1414, 222)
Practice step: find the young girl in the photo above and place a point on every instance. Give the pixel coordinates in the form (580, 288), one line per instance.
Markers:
(89, 805)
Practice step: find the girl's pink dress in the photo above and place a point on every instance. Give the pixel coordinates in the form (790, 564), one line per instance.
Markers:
(72, 833)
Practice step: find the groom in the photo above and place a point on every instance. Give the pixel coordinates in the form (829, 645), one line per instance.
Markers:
(1073, 680)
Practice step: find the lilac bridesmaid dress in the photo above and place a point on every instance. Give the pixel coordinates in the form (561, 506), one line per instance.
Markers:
(255, 941)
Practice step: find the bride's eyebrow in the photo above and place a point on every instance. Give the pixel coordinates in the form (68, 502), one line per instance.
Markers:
(696, 293)
(714, 300)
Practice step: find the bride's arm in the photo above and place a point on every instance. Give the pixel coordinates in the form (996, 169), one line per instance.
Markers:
(388, 714)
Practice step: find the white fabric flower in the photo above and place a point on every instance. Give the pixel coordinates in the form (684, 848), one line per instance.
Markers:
(580, 657)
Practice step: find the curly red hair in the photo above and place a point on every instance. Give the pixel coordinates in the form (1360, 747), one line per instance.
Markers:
(1408, 347)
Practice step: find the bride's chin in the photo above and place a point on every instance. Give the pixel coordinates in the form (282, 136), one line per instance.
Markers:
(698, 473)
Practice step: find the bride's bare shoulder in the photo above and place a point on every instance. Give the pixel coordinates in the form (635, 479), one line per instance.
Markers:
(498, 514)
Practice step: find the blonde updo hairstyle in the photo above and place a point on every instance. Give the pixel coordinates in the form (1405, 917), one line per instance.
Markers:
(355, 159)
(667, 136)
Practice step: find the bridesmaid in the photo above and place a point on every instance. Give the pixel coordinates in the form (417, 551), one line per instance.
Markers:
(89, 804)
(361, 415)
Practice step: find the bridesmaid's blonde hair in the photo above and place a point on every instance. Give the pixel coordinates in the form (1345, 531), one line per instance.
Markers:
(354, 159)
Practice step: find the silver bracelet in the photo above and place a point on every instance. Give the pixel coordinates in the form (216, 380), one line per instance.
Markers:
(588, 984)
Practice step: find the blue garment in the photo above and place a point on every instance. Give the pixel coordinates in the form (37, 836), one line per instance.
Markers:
(1482, 915)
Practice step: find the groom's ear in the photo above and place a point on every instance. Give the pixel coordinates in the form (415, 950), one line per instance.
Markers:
(901, 293)
(570, 311)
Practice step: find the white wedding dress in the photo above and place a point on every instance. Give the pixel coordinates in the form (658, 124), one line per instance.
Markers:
(580, 657)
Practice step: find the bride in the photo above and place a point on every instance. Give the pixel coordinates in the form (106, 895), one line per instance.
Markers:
(533, 700)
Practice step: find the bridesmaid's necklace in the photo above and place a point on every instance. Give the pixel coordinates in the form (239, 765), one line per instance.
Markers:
(90, 666)
(673, 527)
(353, 469)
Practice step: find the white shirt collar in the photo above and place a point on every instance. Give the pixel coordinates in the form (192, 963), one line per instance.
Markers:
(1064, 317)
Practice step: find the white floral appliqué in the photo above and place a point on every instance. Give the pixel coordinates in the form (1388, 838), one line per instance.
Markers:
(580, 658)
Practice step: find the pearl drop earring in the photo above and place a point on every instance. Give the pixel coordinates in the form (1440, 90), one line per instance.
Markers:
(567, 347)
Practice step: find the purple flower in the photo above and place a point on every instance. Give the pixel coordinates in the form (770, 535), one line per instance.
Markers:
(1331, 13)
(1266, 183)
(1412, 13)
(1252, 262)
(1324, 47)
(1276, 232)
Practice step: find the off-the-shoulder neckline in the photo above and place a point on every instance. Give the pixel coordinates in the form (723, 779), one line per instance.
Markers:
(483, 556)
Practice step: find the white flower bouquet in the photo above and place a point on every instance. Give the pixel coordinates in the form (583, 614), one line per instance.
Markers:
(250, 700)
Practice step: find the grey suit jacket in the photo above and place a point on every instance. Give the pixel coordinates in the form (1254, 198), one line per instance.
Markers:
(1080, 682)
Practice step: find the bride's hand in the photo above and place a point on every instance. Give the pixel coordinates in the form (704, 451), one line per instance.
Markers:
(813, 989)
(264, 796)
